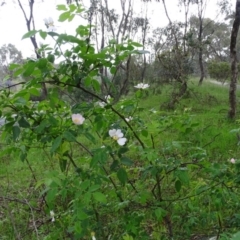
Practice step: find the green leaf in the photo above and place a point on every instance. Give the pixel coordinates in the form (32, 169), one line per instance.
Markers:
(178, 185)
(100, 156)
(16, 132)
(82, 31)
(64, 16)
(122, 175)
(56, 143)
(29, 34)
(53, 121)
(144, 133)
(61, 7)
(139, 93)
(94, 188)
(69, 136)
(84, 185)
(113, 70)
(18, 72)
(23, 123)
(127, 237)
(71, 17)
(29, 69)
(182, 175)
(96, 85)
(34, 91)
(51, 58)
(90, 137)
(122, 150)
(82, 215)
(13, 66)
(114, 165)
(42, 127)
(43, 34)
(23, 156)
(53, 34)
(136, 44)
(42, 63)
(160, 213)
(65, 147)
(72, 7)
(63, 164)
(126, 161)
(99, 197)
(87, 81)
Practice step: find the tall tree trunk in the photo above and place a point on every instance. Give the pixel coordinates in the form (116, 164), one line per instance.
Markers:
(144, 33)
(200, 55)
(179, 58)
(234, 70)
(201, 8)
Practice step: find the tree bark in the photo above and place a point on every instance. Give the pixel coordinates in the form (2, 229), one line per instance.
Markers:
(234, 70)
(200, 55)
(201, 7)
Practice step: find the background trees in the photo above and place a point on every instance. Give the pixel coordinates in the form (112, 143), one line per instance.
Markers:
(195, 39)
(8, 54)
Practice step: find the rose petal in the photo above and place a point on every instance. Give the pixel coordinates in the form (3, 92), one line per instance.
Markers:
(119, 133)
(78, 119)
(112, 132)
(121, 141)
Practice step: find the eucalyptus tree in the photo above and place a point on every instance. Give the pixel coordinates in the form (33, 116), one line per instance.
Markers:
(143, 24)
(9, 54)
(201, 6)
(234, 69)
(214, 42)
(173, 52)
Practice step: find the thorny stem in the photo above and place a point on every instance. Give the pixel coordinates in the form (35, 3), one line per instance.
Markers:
(103, 100)
(34, 176)
(33, 219)
(30, 167)
(72, 161)
(85, 148)
(132, 185)
(104, 169)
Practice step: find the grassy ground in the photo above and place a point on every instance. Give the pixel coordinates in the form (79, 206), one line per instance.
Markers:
(207, 106)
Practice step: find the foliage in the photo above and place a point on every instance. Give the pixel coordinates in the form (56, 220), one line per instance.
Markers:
(120, 176)
(9, 54)
(171, 67)
(221, 71)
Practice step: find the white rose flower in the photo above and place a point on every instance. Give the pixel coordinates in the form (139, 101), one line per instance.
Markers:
(78, 119)
(108, 98)
(52, 214)
(50, 24)
(117, 135)
(142, 86)
(129, 119)
(101, 104)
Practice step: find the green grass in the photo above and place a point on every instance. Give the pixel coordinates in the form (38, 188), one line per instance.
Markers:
(208, 106)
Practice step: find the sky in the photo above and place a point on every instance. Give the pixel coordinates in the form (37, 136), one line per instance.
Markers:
(13, 26)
